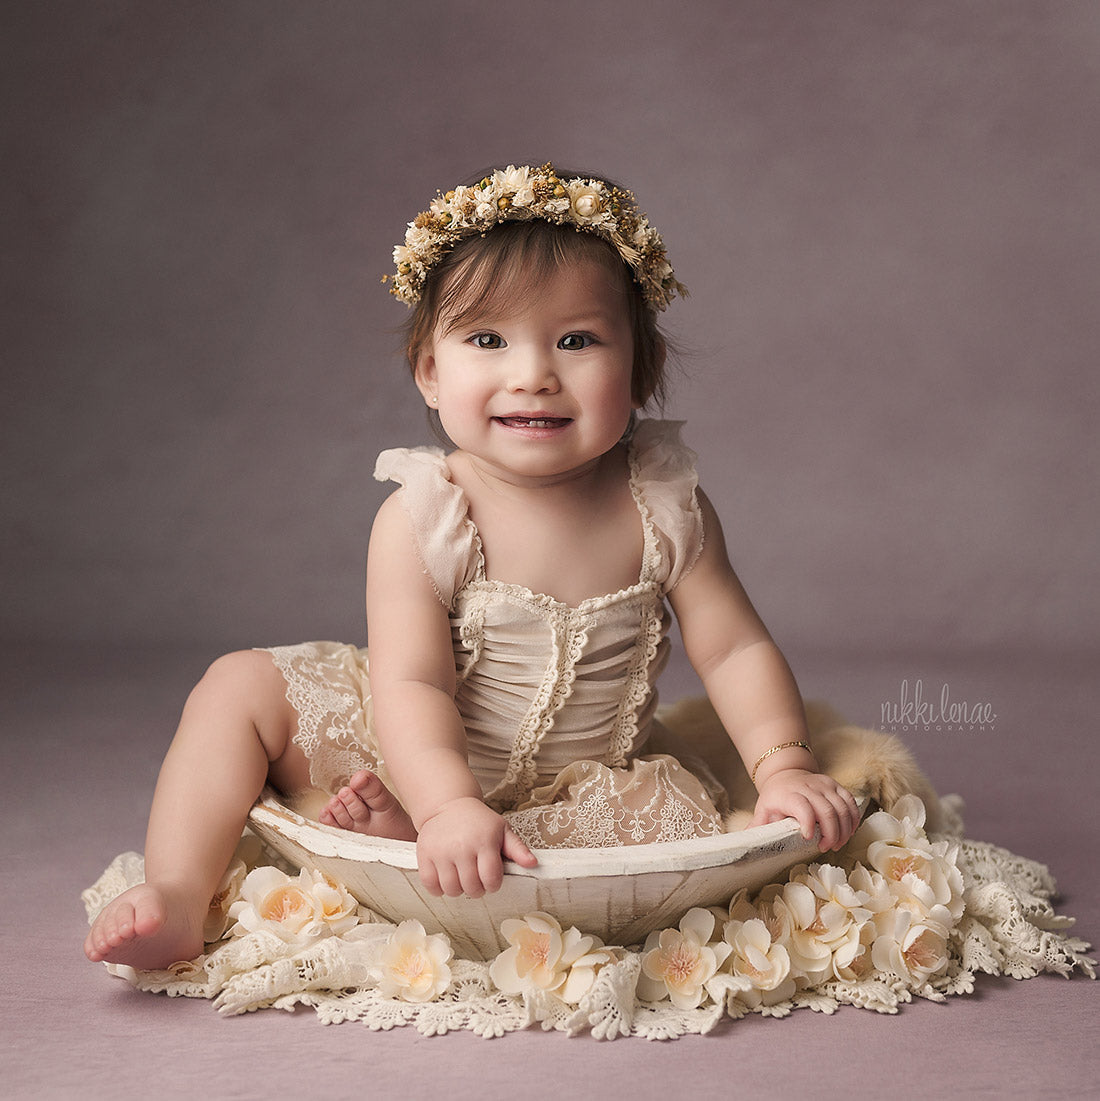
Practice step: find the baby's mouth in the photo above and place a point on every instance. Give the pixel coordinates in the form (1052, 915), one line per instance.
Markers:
(534, 422)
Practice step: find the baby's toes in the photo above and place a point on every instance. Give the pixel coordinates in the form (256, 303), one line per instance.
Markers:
(335, 814)
(354, 806)
(367, 786)
(117, 926)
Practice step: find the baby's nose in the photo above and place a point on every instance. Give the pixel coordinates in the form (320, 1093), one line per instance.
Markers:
(534, 372)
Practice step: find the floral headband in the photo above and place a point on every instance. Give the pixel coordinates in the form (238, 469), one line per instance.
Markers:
(519, 194)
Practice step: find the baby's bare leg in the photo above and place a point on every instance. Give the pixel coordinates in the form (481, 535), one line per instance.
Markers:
(367, 806)
(235, 735)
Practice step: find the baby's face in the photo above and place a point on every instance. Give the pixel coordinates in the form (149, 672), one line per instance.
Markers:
(541, 389)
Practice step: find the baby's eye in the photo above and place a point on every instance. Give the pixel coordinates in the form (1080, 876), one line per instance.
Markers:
(486, 340)
(574, 342)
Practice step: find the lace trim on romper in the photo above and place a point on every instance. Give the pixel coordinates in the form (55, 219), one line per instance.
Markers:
(613, 798)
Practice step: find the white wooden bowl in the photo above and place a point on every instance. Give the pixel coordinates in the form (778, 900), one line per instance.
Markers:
(620, 894)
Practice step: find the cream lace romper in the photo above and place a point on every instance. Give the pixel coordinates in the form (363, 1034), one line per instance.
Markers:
(558, 701)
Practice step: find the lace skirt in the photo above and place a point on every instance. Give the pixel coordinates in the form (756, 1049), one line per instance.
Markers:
(654, 798)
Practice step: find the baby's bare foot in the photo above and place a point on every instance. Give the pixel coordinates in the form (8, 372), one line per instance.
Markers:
(145, 928)
(367, 806)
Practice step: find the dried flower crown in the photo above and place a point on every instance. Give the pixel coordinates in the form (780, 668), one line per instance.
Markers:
(519, 194)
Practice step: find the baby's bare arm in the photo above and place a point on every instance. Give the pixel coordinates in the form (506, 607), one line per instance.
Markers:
(755, 694)
(420, 731)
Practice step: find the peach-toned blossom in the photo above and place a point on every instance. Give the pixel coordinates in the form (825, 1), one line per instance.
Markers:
(543, 956)
(679, 963)
(811, 931)
(921, 873)
(413, 965)
(910, 946)
(756, 958)
(272, 901)
(339, 909)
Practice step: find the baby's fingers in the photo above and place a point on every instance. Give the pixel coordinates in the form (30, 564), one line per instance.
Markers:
(828, 820)
(515, 848)
(429, 877)
(490, 871)
(838, 816)
(793, 805)
(440, 877)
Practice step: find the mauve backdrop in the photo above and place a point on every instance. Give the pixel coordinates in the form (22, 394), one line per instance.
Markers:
(887, 214)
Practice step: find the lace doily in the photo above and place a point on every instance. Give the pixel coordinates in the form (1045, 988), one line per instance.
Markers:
(1007, 926)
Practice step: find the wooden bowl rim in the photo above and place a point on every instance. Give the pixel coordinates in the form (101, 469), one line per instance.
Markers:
(663, 857)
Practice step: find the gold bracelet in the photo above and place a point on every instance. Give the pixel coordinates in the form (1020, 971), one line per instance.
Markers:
(775, 749)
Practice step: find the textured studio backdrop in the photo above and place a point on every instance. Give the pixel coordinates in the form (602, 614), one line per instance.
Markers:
(888, 215)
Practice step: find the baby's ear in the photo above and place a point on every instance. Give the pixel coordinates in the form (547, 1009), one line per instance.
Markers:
(424, 376)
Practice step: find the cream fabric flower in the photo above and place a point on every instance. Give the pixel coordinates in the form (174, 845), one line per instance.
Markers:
(852, 954)
(921, 873)
(542, 956)
(272, 901)
(297, 910)
(584, 970)
(339, 909)
(756, 958)
(833, 887)
(679, 963)
(413, 965)
(873, 887)
(810, 931)
(909, 946)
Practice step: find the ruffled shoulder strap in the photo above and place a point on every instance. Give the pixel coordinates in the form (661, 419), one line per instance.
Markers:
(447, 541)
(664, 480)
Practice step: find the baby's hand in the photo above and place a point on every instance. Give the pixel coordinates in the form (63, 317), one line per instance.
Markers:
(459, 849)
(814, 799)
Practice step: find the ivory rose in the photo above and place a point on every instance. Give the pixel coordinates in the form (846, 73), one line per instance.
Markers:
(585, 200)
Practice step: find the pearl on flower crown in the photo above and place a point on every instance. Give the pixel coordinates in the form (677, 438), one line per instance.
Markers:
(519, 194)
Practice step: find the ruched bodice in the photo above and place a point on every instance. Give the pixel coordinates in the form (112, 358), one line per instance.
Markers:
(528, 656)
